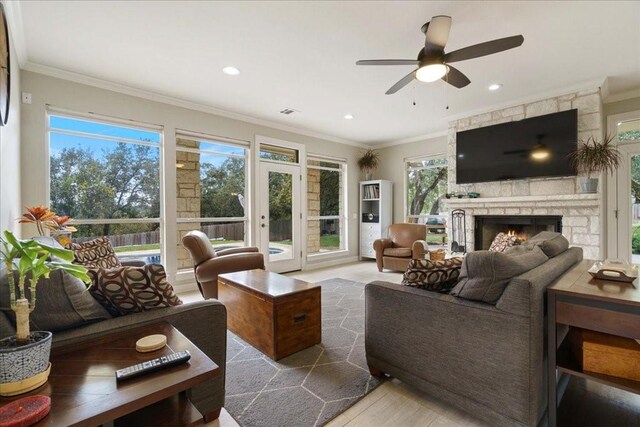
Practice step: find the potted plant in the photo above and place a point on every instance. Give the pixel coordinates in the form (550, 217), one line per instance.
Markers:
(368, 163)
(592, 157)
(24, 358)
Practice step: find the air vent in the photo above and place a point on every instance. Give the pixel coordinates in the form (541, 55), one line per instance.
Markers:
(288, 111)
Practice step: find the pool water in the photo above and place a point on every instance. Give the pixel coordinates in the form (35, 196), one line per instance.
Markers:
(155, 259)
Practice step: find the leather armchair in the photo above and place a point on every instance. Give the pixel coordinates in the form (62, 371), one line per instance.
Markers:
(208, 262)
(404, 242)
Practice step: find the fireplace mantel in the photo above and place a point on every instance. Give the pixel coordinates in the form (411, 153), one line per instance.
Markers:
(573, 199)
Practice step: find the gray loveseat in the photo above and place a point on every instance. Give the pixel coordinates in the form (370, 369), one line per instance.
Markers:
(487, 360)
(204, 323)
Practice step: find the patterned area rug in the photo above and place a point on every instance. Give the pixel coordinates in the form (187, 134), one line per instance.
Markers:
(310, 387)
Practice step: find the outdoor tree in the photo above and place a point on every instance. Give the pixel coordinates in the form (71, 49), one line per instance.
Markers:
(426, 186)
(220, 187)
(122, 182)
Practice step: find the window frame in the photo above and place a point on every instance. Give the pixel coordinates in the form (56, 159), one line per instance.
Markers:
(211, 139)
(111, 121)
(407, 161)
(343, 219)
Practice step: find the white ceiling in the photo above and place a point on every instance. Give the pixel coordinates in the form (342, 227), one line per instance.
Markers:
(302, 55)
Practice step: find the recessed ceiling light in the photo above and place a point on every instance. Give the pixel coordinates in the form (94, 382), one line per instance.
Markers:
(495, 86)
(619, 123)
(231, 71)
(348, 116)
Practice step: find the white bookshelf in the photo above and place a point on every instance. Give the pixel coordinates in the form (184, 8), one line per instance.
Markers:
(376, 213)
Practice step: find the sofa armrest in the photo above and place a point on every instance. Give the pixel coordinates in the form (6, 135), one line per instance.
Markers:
(470, 349)
(204, 323)
(133, 263)
(241, 250)
(418, 249)
(379, 245)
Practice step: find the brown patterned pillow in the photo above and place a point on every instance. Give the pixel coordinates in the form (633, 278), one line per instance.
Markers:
(96, 253)
(127, 290)
(502, 242)
(437, 276)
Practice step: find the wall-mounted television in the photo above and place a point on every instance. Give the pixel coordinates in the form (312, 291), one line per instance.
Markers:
(529, 148)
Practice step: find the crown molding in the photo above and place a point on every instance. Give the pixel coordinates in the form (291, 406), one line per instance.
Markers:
(621, 96)
(587, 85)
(16, 29)
(409, 140)
(178, 102)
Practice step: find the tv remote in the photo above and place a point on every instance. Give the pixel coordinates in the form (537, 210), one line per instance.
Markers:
(153, 365)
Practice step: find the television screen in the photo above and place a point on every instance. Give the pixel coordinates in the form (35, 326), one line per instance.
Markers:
(534, 147)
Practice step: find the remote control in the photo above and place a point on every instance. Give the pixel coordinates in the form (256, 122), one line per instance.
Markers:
(152, 365)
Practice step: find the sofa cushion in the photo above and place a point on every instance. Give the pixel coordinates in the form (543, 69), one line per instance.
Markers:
(96, 253)
(484, 275)
(126, 290)
(437, 276)
(502, 242)
(551, 243)
(397, 252)
(62, 302)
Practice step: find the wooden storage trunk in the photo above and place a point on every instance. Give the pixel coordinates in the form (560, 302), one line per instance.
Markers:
(607, 354)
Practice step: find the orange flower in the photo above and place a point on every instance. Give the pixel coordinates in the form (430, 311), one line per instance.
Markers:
(60, 223)
(37, 213)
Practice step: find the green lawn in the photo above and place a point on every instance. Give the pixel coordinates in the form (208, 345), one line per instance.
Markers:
(330, 241)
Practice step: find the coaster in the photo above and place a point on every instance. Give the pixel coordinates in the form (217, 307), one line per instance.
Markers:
(151, 343)
(25, 412)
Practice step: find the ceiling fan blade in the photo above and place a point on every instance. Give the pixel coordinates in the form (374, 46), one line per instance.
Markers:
(483, 49)
(437, 33)
(387, 62)
(402, 83)
(455, 77)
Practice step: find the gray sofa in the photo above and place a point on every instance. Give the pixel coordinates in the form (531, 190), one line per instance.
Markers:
(204, 323)
(487, 360)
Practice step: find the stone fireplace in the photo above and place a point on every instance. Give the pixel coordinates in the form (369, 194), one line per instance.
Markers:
(582, 216)
(487, 227)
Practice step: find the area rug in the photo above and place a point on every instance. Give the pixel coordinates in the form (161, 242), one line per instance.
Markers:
(310, 387)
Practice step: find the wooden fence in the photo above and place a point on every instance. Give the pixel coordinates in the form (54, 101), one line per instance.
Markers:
(278, 230)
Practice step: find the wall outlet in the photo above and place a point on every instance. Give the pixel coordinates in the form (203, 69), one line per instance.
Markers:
(26, 98)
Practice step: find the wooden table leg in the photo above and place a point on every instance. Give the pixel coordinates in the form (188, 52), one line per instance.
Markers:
(552, 404)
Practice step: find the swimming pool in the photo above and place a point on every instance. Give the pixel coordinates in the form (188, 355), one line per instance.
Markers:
(155, 258)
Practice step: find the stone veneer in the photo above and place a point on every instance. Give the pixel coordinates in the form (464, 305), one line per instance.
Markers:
(581, 213)
(188, 195)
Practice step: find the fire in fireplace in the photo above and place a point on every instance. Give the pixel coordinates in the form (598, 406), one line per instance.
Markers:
(487, 227)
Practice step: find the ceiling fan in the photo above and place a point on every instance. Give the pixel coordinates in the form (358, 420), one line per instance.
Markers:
(433, 62)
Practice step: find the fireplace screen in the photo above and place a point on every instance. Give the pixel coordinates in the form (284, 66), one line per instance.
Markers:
(524, 227)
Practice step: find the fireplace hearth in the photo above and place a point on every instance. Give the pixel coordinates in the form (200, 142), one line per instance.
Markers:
(487, 227)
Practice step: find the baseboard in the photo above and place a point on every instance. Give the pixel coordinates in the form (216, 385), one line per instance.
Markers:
(330, 263)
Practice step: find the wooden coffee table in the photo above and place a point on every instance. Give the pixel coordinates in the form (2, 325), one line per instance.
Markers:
(276, 314)
(83, 389)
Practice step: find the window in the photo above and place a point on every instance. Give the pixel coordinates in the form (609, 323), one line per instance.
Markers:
(211, 180)
(326, 221)
(628, 131)
(426, 186)
(107, 177)
(280, 154)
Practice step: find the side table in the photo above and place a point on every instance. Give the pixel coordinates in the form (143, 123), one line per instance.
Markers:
(84, 392)
(578, 300)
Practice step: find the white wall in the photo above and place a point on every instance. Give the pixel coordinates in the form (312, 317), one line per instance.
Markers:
(392, 167)
(69, 95)
(10, 204)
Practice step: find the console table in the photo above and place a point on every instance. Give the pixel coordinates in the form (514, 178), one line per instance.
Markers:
(578, 300)
(84, 392)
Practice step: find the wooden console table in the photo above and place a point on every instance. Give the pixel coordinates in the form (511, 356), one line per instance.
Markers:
(84, 392)
(578, 300)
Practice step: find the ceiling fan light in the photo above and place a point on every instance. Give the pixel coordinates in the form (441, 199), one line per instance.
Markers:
(540, 153)
(431, 72)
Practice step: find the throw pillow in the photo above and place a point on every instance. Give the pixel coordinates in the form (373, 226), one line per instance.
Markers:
(484, 275)
(63, 302)
(503, 241)
(126, 290)
(551, 243)
(96, 253)
(437, 276)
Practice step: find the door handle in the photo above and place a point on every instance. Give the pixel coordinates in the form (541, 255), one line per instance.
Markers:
(262, 225)
(262, 217)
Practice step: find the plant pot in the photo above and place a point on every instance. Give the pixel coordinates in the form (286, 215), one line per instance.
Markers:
(589, 185)
(368, 176)
(19, 364)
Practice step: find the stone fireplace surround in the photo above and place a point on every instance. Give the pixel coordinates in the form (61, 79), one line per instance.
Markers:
(487, 227)
(582, 214)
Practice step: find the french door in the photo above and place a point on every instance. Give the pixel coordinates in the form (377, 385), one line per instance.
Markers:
(624, 227)
(280, 216)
